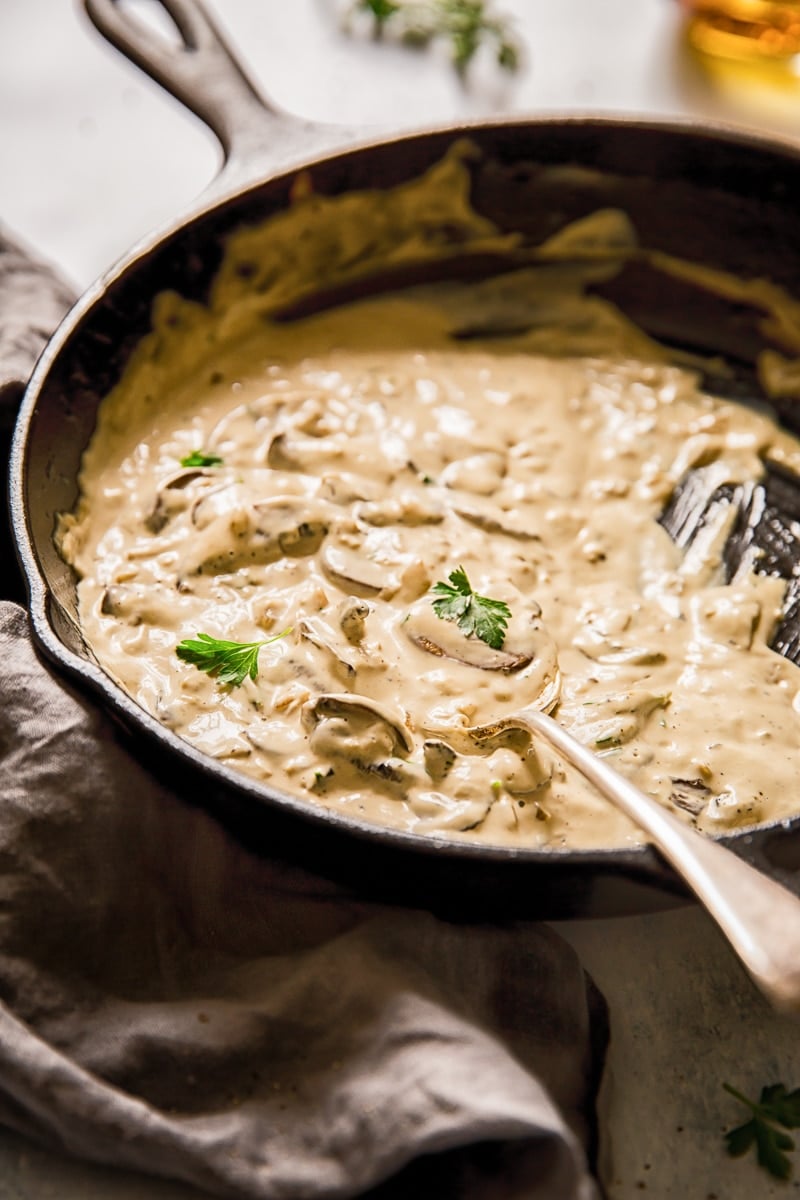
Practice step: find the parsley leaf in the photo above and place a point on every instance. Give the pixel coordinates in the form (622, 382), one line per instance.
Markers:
(475, 615)
(775, 1111)
(466, 24)
(229, 662)
(198, 458)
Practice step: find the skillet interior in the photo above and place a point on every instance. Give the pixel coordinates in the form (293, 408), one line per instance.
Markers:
(721, 199)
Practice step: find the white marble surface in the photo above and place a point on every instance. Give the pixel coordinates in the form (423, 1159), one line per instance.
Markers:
(93, 155)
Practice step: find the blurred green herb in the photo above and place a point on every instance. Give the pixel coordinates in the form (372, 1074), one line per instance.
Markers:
(380, 9)
(198, 458)
(775, 1110)
(229, 662)
(466, 24)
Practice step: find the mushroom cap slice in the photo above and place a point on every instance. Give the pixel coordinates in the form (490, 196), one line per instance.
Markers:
(167, 503)
(339, 651)
(354, 572)
(444, 639)
(353, 614)
(492, 519)
(288, 452)
(412, 507)
(439, 758)
(344, 705)
(526, 671)
(232, 532)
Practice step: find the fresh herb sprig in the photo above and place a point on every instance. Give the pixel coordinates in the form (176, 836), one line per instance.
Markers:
(475, 615)
(199, 458)
(466, 24)
(229, 662)
(775, 1111)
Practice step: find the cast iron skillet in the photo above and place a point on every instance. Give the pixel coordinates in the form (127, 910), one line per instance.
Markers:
(718, 196)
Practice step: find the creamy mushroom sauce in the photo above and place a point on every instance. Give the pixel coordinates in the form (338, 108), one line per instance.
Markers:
(366, 455)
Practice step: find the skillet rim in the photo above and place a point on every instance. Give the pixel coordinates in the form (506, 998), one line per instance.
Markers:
(640, 862)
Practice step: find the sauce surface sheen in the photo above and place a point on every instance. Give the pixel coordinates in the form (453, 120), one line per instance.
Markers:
(365, 456)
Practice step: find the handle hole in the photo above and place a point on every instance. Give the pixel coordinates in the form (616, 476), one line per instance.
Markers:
(152, 17)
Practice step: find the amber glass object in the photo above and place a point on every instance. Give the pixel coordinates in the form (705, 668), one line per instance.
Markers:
(765, 31)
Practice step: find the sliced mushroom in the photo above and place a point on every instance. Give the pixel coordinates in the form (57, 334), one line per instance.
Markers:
(152, 603)
(359, 711)
(236, 534)
(612, 629)
(167, 503)
(480, 473)
(354, 572)
(302, 539)
(353, 615)
(439, 758)
(280, 454)
(319, 633)
(526, 672)
(287, 453)
(444, 639)
(692, 795)
(123, 603)
(616, 719)
(111, 603)
(179, 481)
(219, 501)
(603, 650)
(439, 814)
(409, 508)
(345, 488)
(492, 519)
(393, 770)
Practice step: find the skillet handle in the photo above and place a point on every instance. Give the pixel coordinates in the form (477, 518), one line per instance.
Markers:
(760, 917)
(203, 73)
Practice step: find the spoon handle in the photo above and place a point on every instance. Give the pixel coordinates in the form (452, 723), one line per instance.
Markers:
(760, 917)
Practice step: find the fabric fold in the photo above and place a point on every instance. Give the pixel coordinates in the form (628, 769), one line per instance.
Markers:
(175, 1004)
(33, 299)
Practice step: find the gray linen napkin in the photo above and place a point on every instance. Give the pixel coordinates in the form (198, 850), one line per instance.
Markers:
(173, 1003)
(33, 300)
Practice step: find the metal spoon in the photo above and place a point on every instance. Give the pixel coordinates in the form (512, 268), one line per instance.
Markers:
(759, 917)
